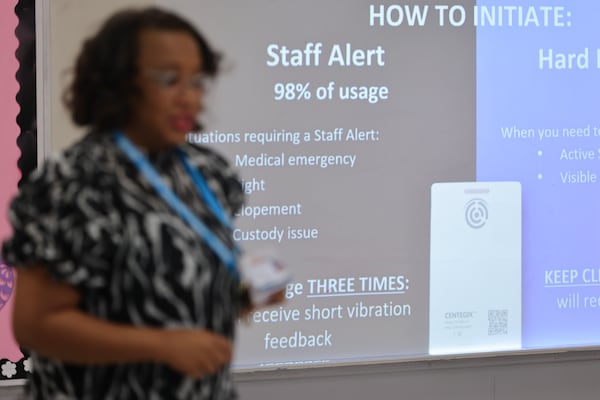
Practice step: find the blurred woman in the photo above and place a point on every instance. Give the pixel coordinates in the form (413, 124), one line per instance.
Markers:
(127, 284)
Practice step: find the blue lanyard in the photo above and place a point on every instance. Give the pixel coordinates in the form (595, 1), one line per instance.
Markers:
(205, 191)
(227, 256)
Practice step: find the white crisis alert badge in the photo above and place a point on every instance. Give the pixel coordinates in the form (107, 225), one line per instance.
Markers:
(264, 276)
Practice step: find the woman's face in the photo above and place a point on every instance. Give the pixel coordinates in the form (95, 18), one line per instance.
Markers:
(171, 84)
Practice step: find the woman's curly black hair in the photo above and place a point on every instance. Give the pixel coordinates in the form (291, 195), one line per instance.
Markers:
(103, 92)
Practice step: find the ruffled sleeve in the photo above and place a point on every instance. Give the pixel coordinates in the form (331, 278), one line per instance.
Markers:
(61, 220)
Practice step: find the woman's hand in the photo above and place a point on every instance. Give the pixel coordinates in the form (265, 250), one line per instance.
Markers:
(196, 353)
(276, 298)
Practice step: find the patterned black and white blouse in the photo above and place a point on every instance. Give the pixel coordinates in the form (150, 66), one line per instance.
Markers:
(95, 222)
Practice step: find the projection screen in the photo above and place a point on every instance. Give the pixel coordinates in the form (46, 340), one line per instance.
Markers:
(428, 172)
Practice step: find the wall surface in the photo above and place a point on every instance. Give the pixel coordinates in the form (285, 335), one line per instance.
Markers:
(531, 378)
(70, 23)
(546, 377)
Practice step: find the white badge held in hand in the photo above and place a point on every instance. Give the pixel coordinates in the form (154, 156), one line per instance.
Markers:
(264, 276)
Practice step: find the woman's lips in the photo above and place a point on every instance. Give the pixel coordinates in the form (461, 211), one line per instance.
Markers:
(183, 123)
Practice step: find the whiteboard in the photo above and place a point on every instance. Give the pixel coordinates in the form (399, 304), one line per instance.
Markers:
(342, 116)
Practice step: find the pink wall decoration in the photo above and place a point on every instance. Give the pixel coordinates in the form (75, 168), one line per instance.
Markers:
(9, 172)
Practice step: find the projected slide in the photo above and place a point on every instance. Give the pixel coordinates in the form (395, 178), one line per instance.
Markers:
(538, 124)
(359, 128)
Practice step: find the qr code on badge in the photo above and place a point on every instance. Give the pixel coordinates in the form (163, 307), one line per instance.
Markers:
(497, 322)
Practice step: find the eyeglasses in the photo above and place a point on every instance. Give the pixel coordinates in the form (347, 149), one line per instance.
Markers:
(171, 79)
